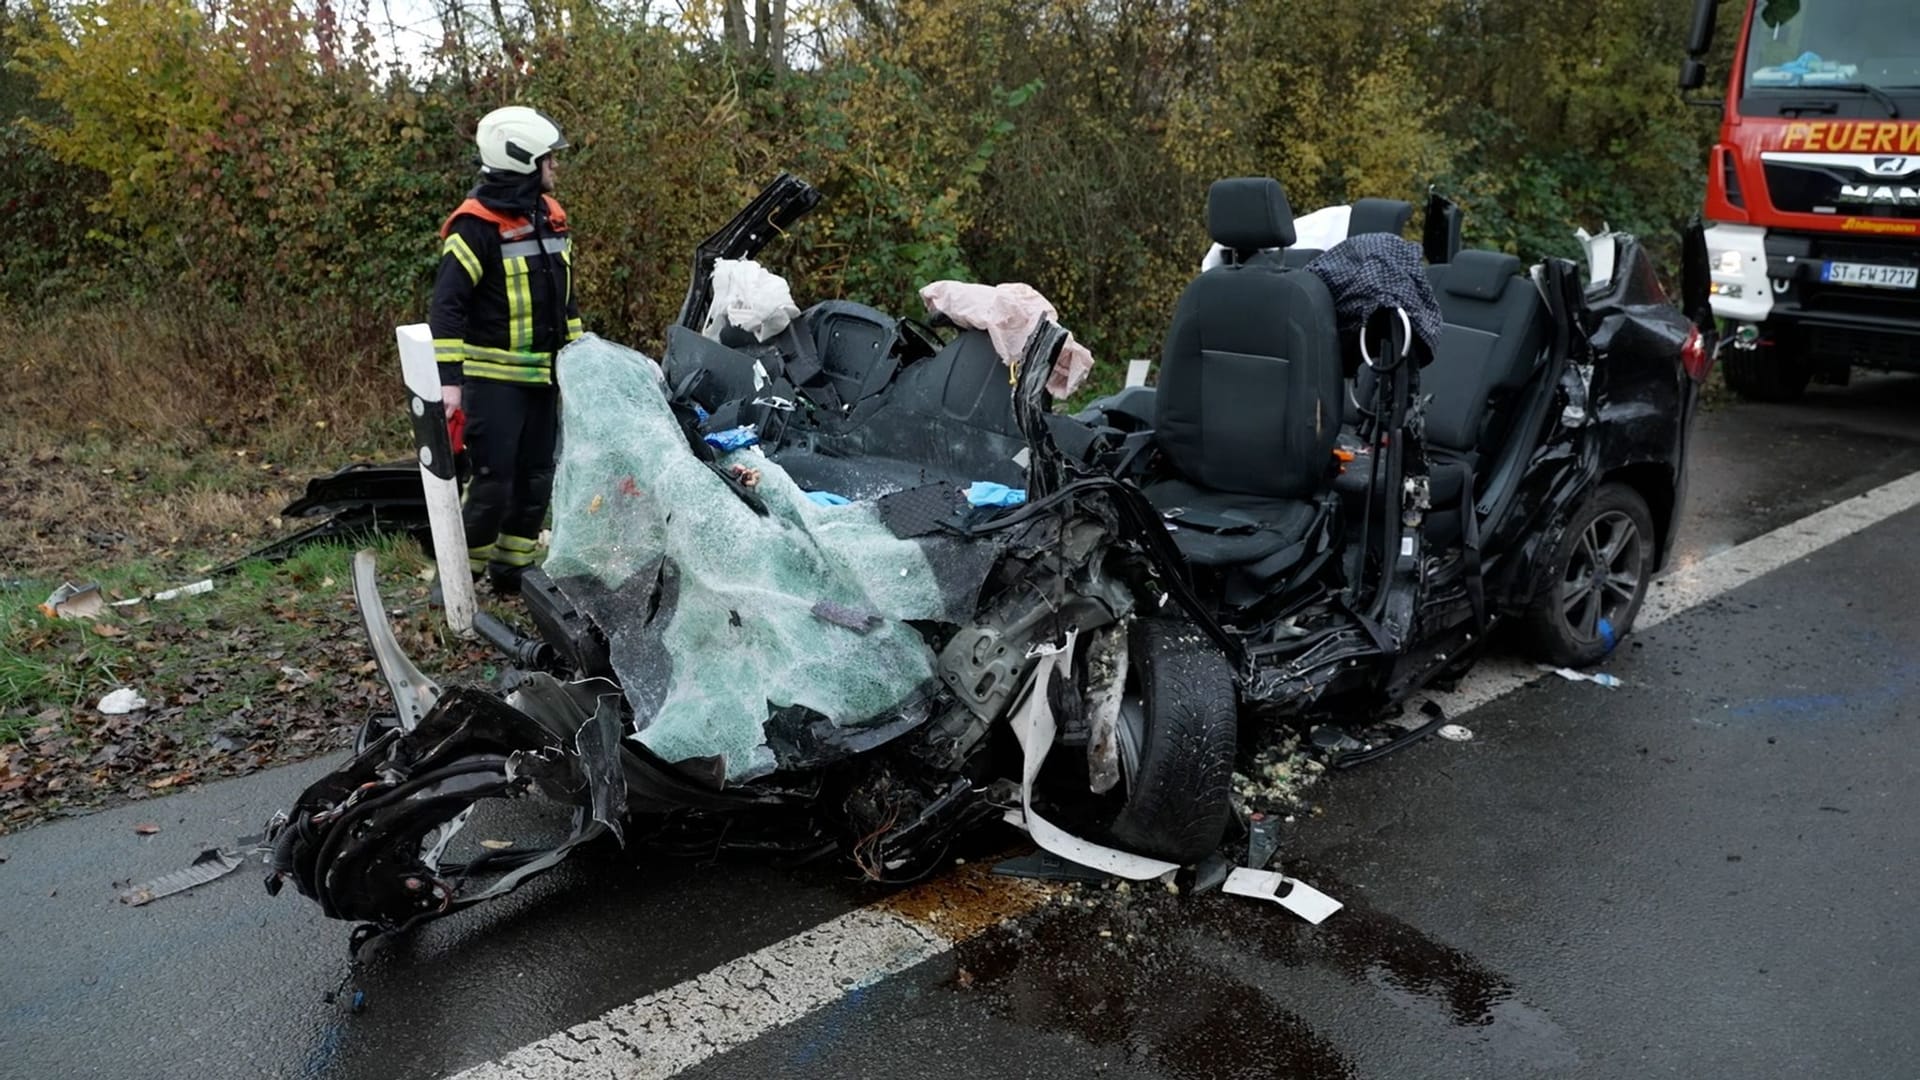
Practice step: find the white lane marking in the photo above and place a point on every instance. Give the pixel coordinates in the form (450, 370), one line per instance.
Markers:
(1690, 586)
(679, 1027)
(667, 1032)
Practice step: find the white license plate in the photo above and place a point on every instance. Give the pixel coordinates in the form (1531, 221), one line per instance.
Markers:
(1873, 277)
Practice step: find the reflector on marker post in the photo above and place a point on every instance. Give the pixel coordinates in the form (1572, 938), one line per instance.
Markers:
(435, 453)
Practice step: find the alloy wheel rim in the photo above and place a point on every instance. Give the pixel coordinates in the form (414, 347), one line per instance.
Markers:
(1603, 576)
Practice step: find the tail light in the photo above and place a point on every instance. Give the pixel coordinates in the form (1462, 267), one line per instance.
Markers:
(1695, 356)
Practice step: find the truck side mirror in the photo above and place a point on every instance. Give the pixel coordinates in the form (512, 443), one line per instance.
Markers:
(1700, 38)
(1693, 74)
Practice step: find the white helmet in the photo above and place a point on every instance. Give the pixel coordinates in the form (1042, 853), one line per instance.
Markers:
(515, 138)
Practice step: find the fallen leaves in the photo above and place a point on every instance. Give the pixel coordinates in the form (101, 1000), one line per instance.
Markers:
(146, 828)
(107, 630)
(241, 681)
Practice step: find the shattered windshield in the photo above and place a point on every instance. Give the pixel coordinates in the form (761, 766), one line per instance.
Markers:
(721, 610)
(1857, 46)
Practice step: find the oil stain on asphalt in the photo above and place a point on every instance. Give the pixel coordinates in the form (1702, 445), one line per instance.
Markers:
(1139, 971)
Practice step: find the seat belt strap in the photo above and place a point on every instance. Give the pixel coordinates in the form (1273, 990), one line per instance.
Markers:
(1470, 536)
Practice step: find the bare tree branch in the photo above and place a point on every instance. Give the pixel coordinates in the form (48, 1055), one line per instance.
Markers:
(777, 36)
(739, 38)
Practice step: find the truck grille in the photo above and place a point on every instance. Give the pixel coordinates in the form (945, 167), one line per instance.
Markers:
(1819, 189)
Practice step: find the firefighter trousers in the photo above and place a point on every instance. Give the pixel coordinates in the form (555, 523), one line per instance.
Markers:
(511, 437)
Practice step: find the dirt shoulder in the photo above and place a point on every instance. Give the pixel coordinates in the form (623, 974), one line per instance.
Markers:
(270, 666)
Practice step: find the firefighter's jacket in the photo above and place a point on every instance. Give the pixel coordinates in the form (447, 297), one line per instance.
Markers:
(503, 302)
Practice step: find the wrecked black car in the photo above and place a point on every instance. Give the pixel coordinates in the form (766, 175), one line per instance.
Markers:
(778, 615)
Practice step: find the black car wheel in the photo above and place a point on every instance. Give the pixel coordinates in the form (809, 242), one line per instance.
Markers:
(1179, 763)
(1590, 590)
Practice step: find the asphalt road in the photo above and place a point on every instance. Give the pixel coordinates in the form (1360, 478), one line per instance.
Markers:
(1707, 872)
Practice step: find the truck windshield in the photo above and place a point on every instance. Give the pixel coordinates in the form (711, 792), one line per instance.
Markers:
(1802, 45)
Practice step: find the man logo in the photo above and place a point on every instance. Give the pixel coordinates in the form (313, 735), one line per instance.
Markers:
(1892, 166)
(1883, 194)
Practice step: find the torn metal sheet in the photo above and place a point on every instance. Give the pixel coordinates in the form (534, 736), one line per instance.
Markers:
(1291, 893)
(210, 865)
(598, 744)
(413, 693)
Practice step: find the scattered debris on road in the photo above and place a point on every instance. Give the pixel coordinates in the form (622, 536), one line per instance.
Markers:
(210, 865)
(1611, 682)
(1291, 893)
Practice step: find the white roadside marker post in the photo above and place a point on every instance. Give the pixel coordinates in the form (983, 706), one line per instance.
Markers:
(437, 474)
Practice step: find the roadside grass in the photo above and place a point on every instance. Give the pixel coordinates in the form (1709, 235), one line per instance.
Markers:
(146, 445)
(269, 667)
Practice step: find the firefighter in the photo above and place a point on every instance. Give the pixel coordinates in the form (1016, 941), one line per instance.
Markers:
(503, 306)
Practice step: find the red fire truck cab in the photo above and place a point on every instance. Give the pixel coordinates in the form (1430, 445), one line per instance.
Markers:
(1813, 191)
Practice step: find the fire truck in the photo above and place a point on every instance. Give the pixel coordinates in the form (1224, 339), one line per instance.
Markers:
(1813, 191)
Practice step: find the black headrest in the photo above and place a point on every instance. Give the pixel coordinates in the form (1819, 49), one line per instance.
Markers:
(1379, 215)
(1249, 213)
(1482, 275)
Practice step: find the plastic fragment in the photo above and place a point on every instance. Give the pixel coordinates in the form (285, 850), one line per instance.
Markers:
(827, 498)
(204, 585)
(738, 438)
(1609, 681)
(1291, 893)
(1455, 732)
(210, 865)
(1263, 840)
(71, 601)
(988, 493)
(122, 702)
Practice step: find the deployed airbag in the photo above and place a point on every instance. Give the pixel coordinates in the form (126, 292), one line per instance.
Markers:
(1009, 313)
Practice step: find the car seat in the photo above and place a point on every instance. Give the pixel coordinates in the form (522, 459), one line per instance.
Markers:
(1248, 398)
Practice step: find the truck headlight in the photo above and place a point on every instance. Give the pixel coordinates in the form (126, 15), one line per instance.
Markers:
(1728, 263)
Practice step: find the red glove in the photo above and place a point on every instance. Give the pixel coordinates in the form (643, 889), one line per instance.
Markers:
(457, 429)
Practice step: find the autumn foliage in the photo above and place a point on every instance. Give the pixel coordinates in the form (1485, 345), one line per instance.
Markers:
(255, 166)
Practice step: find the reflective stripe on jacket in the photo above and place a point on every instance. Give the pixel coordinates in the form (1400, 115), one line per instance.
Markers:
(503, 301)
